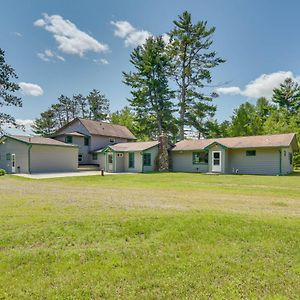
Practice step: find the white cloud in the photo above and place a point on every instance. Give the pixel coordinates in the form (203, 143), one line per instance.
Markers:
(101, 61)
(17, 34)
(43, 56)
(123, 28)
(233, 90)
(166, 38)
(70, 39)
(49, 55)
(132, 36)
(260, 87)
(25, 122)
(31, 89)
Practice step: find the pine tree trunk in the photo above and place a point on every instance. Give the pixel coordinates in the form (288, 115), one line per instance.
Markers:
(182, 110)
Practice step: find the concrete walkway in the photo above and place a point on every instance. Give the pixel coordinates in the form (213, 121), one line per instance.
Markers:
(65, 174)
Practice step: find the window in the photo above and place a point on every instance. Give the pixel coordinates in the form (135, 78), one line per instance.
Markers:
(200, 158)
(284, 153)
(119, 154)
(80, 157)
(131, 160)
(291, 158)
(147, 159)
(8, 156)
(94, 156)
(112, 140)
(68, 139)
(110, 158)
(251, 153)
(86, 141)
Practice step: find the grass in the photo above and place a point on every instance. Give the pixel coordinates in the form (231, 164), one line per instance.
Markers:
(150, 236)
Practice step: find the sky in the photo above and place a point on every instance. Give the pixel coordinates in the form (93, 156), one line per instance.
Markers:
(67, 47)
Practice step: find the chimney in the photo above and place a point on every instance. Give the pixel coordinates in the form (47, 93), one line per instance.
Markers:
(163, 155)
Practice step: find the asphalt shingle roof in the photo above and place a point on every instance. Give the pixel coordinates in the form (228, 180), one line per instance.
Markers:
(134, 146)
(107, 129)
(261, 141)
(38, 140)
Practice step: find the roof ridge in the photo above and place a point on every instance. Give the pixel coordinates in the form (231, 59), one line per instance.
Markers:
(105, 122)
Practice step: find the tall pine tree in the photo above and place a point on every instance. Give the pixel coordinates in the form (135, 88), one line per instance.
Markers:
(192, 61)
(151, 96)
(287, 96)
(7, 87)
(46, 124)
(98, 106)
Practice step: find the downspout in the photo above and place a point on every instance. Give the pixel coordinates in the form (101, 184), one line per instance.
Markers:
(114, 162)
(142, 161)
(280, 163)
(29, 148)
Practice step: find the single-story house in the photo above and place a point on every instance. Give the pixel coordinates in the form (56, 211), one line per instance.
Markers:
(266, 154)
(129, 157)
(24, 154)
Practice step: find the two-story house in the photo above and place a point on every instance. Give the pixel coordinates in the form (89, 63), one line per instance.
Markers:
(91, 136)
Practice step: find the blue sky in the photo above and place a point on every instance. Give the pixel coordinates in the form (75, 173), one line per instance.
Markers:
(259, 40)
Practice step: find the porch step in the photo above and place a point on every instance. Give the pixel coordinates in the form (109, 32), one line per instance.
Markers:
(83, 168)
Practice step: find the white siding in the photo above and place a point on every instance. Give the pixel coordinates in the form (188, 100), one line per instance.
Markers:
(20, 150)
(286, 167)
(53, 159)
(266, 161)
(82, 149)
(138, 160)
(76, 126)
(98, 141)
(182, 161)
(153, 151)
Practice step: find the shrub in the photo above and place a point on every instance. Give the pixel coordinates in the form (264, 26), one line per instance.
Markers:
(2, 172)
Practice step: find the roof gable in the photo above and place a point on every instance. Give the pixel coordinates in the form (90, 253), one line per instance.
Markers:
(133, 146)
(99, 128)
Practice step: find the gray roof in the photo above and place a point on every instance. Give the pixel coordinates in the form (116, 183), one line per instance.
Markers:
(260, 141)
(134, 146)
(38, 140)
(107, 129)
(100, 128)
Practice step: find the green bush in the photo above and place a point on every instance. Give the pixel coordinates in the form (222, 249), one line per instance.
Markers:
(2, 172)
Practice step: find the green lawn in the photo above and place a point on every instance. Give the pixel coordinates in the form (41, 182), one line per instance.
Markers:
(150, 236)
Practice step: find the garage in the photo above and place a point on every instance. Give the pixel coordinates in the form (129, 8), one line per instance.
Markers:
(24, 154)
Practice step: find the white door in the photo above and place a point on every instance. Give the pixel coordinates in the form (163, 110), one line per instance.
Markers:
(110, 162)
(216, 161)
(13, 163)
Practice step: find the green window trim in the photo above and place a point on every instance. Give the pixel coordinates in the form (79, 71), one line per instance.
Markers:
(95, 156)
(86, 141)
(131, 160)
(147, 159)
(8, 156)
(69, 139)
(200, 158)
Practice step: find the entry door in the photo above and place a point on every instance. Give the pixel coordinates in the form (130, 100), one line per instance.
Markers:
(13, 163)
(216, 161)
(110, 162)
